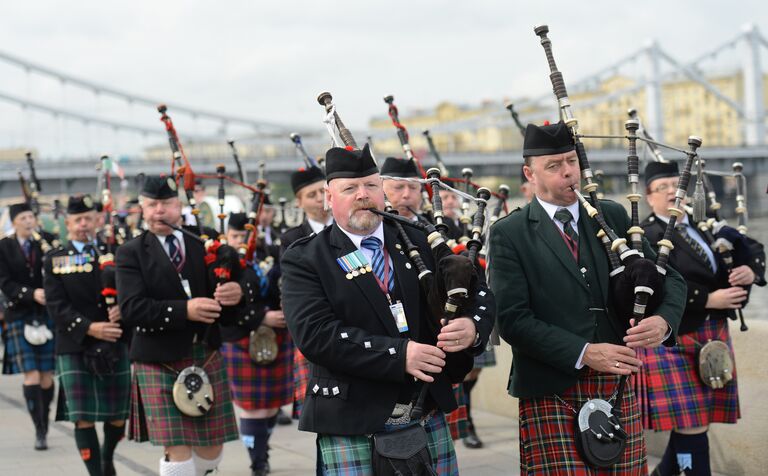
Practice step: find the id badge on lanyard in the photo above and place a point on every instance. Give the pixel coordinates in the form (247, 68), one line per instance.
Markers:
(397, 309)
(186, 286)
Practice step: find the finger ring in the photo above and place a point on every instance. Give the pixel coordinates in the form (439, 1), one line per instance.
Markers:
(457, 341)
(648, 339)
(617, 365)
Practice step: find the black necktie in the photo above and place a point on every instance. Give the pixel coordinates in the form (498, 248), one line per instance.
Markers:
(682, 228)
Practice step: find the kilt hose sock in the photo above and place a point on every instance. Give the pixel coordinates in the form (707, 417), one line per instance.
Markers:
(688, 454)
(468, 386)
(177, 468)
(33, 398)
(112, 436)
(38, 406)
(88, 443)
(255, 433)
(46, 395)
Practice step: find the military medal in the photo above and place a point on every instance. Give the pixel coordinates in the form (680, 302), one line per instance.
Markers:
(345, 267)
(87, 267)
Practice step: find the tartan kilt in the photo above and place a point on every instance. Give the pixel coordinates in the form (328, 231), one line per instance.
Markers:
(84, 396)
(256, 387)
(300, 381)
(548, 429)
(486, 359)
(20, 356)
(458, 420)
(673, 396)
(351, 455)
(155, 418)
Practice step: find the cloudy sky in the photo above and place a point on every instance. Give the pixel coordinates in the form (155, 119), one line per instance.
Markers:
(269, 60)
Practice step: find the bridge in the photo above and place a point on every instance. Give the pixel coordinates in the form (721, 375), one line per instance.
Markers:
(140, 145)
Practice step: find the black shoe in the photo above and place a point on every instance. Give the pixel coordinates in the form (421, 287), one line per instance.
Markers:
(260, 472)
(41, 443)
(471, 440)
(108, 468)
(283, 419)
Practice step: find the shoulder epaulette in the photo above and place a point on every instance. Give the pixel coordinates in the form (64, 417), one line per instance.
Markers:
(517, 209)
(301, 241)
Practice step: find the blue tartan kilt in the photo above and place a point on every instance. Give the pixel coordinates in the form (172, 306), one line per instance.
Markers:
(351, 455)
(20, 356)
(486, 359)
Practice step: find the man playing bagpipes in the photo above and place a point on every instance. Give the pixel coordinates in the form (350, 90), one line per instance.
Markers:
(91, 347)
(550, 275)
(175, 304)
(258, 351)
(355, 309)
(691, 385)
(28, 333)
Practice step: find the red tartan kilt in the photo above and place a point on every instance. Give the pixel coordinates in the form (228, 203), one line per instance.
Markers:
(259, 387)
(670, 392)
(548, 429)
(154, 416)
(300, 381)
(458, 420)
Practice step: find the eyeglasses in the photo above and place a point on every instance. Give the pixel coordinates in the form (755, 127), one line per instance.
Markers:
(664, 187)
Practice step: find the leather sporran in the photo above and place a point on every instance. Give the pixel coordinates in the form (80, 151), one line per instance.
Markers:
(262, 345)
(401, 452)
(193, 392)
(600, 439)
(715, 364)
(101, 358)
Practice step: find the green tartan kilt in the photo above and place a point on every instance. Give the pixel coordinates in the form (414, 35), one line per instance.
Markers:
(155, 418)
(84, 396)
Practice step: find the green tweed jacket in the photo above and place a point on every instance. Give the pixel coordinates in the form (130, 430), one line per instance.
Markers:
(544, 299)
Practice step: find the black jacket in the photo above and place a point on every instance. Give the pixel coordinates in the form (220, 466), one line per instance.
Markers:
(74, 301)
(347, 332)
(19, 278)
(698, 276)
(153, 301)
(257, 300)
(293, 234)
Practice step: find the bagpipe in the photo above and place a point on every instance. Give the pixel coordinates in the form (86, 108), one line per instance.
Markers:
(428, 189)
(402, 135)
(732, 244)
(31, 190)
(516, 117)
(636, 281)
(223, 261)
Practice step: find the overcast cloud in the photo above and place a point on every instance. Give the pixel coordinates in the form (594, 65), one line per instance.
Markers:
(268, 60)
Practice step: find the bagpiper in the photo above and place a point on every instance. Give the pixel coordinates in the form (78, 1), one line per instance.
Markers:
(180, 399)
(28, 336)
(91, 346)
(258, 351)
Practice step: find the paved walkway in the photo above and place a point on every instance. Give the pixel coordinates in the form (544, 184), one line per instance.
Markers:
(293, 452)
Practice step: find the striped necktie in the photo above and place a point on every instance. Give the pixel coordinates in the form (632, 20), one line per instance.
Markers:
(564, 216)
(374, 244)
(175, 253)
(682, 229)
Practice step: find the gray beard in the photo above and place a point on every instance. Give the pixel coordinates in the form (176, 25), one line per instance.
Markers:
(363, 223)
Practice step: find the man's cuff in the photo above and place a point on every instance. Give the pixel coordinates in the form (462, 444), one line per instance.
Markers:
(579, 363)
(668, 333)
